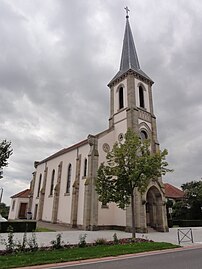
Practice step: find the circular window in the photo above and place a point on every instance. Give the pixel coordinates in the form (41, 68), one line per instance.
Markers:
(106, 147)
(143, 135)
(120, 137)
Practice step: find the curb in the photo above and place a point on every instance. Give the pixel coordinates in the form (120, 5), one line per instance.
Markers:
(111, 258)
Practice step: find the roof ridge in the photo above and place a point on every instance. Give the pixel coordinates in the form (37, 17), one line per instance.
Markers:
(172, 191)
(63, 151)
(19, 194)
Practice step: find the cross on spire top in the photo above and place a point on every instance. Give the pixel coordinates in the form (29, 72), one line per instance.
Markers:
(127, 11)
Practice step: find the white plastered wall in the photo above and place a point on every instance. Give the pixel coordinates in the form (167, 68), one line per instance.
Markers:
(65, 199)
(13, 211)
(111, 215)
(39, 170)
(84, 151)
(48, 200)
(13, 214)
(120, 116)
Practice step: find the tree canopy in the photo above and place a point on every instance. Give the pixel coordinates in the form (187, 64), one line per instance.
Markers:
(193, 191)
(193, 195)
(190, 208)
(4, 210)
(5, 152)
(129, 165)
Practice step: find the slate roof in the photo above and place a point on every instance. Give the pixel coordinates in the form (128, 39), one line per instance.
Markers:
(173, 192)
(22, 194)
(129, 58)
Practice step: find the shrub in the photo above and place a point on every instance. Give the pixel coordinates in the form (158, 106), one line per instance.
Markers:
(188, 223)
(82, 240)
(13, 246)
(101, 241)
(22, 246)
(10, 244)
(58, 243)
(115, 238)
(32, 243)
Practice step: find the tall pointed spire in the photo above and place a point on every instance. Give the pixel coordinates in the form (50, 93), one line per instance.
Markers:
(129, 58)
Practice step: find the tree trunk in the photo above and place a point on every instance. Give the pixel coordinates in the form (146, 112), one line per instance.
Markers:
(133, 216)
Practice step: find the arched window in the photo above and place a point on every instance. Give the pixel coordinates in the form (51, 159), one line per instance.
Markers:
(143, 135)
(13, 205)
(39, 186)
(85, 168)
(52, 182)
(121, 103)
(69, 174)
(141, 96)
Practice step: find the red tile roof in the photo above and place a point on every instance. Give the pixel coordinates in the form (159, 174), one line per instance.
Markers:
(22, 194)
(173, 192)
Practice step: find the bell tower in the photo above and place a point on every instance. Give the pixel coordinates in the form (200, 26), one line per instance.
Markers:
(131, 93)
(131, 106)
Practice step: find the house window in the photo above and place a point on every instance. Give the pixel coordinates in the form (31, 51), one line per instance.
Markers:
(69, 172)
(39, 186)
(85, 168)
(121, 103)
(13, 205)
(52, 182)
(141, 97)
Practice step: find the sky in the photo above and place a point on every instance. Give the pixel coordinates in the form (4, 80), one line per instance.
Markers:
(57, 57)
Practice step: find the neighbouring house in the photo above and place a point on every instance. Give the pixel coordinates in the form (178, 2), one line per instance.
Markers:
(173, 193)
(63, 184)
(19, 205)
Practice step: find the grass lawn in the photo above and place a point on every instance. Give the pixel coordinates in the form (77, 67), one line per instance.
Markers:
(73, 254)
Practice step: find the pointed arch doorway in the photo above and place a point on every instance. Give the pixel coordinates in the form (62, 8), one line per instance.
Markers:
(154, 203)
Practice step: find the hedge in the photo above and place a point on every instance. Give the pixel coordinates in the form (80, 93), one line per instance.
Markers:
(188, 223)
(18, 226)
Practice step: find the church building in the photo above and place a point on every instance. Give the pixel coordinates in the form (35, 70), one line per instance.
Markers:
(63, 185)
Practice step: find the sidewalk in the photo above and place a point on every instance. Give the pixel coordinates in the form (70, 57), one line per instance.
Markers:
(71, 236)
(54, 227)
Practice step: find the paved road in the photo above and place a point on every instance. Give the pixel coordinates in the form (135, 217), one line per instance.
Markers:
(180, 259)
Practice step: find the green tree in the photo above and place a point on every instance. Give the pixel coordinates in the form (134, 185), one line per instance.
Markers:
(193, 196)
(4, 210)
(5, 152)
(129, 165)
(181, 211)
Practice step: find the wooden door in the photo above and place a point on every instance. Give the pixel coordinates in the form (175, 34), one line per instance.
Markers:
(22, 211)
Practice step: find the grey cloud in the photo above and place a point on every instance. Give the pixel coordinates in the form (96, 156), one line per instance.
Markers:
(57, 58)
